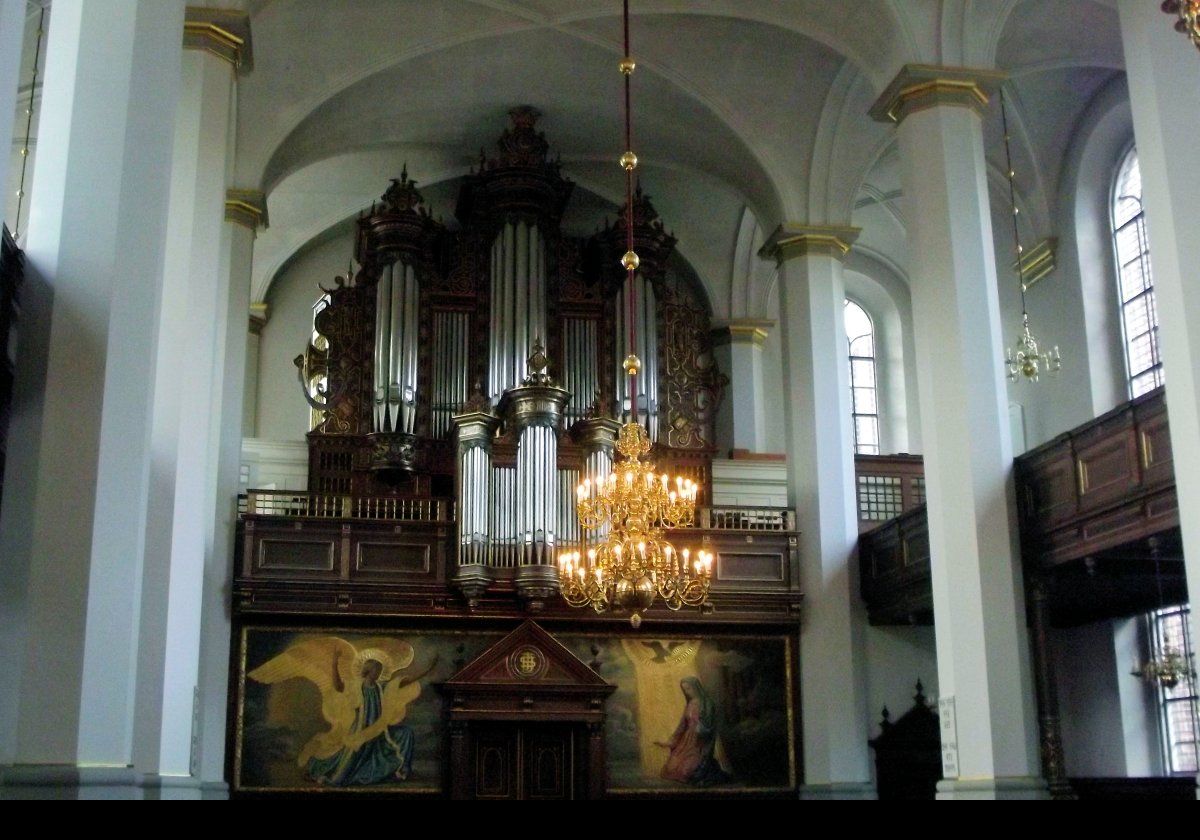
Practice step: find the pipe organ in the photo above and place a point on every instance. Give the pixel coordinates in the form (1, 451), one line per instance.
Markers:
(480, 361)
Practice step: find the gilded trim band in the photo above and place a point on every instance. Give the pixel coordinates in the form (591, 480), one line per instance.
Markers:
(222, 32)
(792, 240)
(247, 208)
(920, 86)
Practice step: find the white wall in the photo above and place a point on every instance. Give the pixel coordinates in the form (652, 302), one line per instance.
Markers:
(274, 465)
(1076, 306)
(282, 414)
(896, 658)
(1109, 717)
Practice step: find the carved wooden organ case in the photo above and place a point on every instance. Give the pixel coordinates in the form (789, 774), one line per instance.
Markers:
(483, 363)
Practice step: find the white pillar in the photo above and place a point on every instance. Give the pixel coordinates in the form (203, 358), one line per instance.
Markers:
(72, 527)
(740, 342)
(186, 427)
(820, 449)
(245, 213)
(1164, 93)
(12, 36)
(978, 597)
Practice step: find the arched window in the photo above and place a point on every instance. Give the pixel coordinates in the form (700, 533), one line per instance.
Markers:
(864, 402)
(1139, 314)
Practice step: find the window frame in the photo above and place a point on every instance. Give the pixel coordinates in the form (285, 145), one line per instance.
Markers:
(855, 414)
(1168, 698)
(1155, 370)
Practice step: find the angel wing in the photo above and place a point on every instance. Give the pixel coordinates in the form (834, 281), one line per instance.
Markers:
(328, 663)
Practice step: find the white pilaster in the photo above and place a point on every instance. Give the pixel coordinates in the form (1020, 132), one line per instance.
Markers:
(184, 441)
(12, 32)
(982, 643)
(237, 249)
(1164, 93)
(740, 343)
(72, 527)
(820, 471)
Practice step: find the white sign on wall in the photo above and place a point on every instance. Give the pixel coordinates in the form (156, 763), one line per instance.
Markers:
(949, 727)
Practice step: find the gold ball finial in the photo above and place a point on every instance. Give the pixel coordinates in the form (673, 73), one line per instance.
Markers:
(632, 364)
(627, 64)
(629, 160)
(630, 261)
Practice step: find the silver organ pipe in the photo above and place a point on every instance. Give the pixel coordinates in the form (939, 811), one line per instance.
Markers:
(569, 531)
(518, 307)
(451, 363)
(581, 372)
(645, 316)
(396, 336)
(503, 482)
(475, 429)
(537, 470)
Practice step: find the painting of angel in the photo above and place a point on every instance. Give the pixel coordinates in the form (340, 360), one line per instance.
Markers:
(344, 710)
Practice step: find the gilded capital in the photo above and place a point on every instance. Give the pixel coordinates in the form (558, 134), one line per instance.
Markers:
(920, 86)
(742, 331)
(224, 33)
(791, 240)
(259, 313)
(247, 208)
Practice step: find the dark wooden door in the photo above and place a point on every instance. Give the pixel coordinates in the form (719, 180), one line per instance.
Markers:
(526, 761)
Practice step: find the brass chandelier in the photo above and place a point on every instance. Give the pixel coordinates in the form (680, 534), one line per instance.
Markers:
(631, 563)
(1188, 12)
(1026, 359)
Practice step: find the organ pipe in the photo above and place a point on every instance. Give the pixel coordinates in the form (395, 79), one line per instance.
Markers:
(518, 308)
(645, 316)
(396, 336)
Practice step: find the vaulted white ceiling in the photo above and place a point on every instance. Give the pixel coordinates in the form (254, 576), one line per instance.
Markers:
(740, 106)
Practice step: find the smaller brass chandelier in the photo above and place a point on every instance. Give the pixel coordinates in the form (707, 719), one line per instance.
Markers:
(1025, 360)
(1188, 12)
(1167, 670)
(1171, 666)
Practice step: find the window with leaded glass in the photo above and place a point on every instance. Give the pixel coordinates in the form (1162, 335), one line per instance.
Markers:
(1177, 703)
(1139, 314)
(864, 394)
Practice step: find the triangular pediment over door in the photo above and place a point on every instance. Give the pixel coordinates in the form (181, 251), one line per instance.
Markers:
(527, 679)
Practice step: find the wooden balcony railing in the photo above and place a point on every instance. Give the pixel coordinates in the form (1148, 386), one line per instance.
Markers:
(887, 486)
(332, 506)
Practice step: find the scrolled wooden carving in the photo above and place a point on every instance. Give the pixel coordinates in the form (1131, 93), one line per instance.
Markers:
(691, 385)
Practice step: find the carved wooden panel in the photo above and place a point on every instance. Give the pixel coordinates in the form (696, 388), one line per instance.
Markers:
(299, 556)
(495, 762)
(1122, 489)
(751, 567)
(1107, 469)
(392, 558)
(547, 755)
